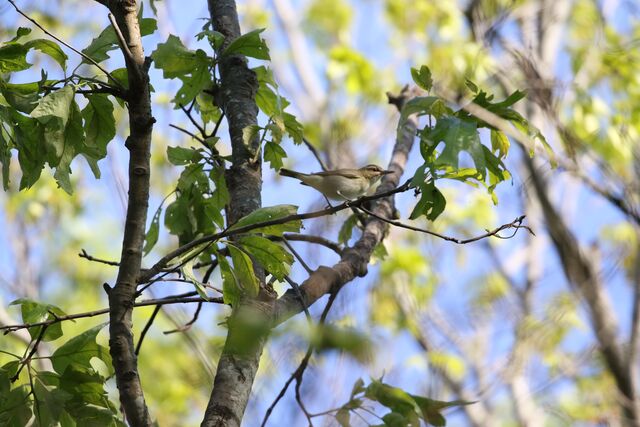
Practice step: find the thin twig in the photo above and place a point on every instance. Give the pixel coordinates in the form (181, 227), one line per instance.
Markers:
(159, 301)
(47, 32)
(296, 287)
(314, 152)
(187, 325)
(26, 359)
(85, 255)
(297, 374)
(193, 121)
(314, 239)
(121, 41)
(156, 310)
(191, 134)
(218, 123)
(297, 255)
(515, 224)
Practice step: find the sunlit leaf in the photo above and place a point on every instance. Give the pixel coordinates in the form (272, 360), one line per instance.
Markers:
(249, 44)
(273, 257)
(34, 312)
(243, 270)
(271, 213)
(80, 350)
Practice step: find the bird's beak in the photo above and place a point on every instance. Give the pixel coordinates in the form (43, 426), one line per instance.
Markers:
(387, 172)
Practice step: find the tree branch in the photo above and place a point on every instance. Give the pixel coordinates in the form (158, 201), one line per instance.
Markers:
(515, 224)
(230, 231)
(182, 299)
(354, 260)
(240, 356)
(122, 296)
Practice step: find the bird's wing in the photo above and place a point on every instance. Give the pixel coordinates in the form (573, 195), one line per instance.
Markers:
(341, 172)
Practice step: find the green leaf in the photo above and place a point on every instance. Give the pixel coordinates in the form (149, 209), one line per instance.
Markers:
(215, 38)
(346, 230)
(28, 135)
(5, 160)
(176, 217)
(73, 136)
(198, 81)
(421, 105)
(175, 60)
(458, 135)
(231, 292)
(220, 196)
(394, 419)
(267, 98)
(99, 128)
(358, 387)
(187, 271)
(273, 257)
(343, 417)
(499, 143)
(249, 133)
(80, 350)
(23, 96)
(180, 156)
(431, 204)
(430, 409)
(274, 153)
(472, 86)
(293, 128)
(271, 213)
(21, 32)
(15, 407)
(34, 312)
(50, 48)
(348, 340)
(13, 57)
(243, 270)
(108, 41)
(53, 112)
(151, 237)
(393, 398)
(213, 212)
(422, 77)
(90, 403)
(249, 44)
(50, 403)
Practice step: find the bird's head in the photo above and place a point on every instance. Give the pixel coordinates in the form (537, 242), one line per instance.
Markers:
(373, 172)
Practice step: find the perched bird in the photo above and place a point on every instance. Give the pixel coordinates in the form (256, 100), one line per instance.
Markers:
(341, 184)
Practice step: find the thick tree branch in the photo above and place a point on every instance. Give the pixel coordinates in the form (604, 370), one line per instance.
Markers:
(241, 353)
(580, 272)
(353, 262)
(122, 296)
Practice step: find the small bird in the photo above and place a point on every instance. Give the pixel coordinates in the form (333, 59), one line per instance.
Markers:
(341, 184)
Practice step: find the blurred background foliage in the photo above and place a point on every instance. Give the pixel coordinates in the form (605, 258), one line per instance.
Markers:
(500, 322)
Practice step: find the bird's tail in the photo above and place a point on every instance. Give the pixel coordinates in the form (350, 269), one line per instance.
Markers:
(290, 173)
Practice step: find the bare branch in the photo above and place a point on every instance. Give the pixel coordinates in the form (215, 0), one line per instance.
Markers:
(159, 301)
(85, 255)
(315, 153)
(146, 328)
(515, 224)
(121, 41)
(314, 239)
